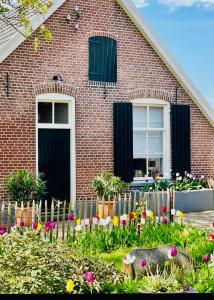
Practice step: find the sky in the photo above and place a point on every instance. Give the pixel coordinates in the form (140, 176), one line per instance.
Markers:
(186, 28)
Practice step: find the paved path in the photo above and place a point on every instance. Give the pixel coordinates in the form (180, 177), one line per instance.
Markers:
(202, 219)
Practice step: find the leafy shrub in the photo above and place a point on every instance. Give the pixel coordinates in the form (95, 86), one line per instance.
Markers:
(29, 265)
(24, 185)
(107, 185)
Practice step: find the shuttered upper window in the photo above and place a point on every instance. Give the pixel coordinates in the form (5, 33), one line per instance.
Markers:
(102, 59)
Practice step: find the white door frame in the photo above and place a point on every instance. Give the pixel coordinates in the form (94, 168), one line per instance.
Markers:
(61, 98)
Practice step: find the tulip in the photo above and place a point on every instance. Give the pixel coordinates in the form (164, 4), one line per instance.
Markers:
(70, 286)
(177, 174)
(100, 215)
(151, 215)
(35, 226)
(206, 258)
(144, 214)
(90, 277)
(70, 217)
(129, 259)
(78, 227)
(123, 222)
(131, 216)
(115, 221)
(143, 263)
(123, 217)
(22, 223)
(165, 221)
(211, 237)
(39, 227)
(52, 225)
(180, 214)
(95, 221)
(164, 209)
(78, 221)
(172, 252)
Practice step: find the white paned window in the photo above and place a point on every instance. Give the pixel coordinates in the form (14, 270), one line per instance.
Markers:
(150, 140)
(53, 113)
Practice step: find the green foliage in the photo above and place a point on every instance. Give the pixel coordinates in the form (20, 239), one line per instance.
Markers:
(107, 185)
(30, 265)
(22, 9)
(24, 185)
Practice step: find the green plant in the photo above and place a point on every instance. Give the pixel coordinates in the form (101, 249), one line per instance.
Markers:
(24, 185)
(106, 185)
(30, 265)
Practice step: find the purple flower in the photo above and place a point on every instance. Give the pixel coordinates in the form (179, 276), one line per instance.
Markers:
(71, 217)
(172, 252)
(22, 223)
(90, 277)
(206, 258)
(52, 225)
(3, 230)
(35, 226)
(143, 263)
(165, 221)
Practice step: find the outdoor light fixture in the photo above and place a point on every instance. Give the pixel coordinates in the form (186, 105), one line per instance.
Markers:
(57, 78)
(68, 19)
(77, 11)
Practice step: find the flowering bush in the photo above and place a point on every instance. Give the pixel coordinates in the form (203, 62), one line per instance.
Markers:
(29, 265)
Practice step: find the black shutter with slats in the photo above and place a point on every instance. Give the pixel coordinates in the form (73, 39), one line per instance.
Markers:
(123, 141)
(102, 59)
(180, 139)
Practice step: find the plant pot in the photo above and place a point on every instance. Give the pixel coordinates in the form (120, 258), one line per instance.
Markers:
(26, 215)
(107, 208)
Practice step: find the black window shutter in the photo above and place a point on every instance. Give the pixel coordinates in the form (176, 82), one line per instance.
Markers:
(180, 139)
(102, 59)
(123, 141)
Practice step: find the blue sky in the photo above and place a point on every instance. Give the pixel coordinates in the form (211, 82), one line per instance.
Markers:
(186, 27)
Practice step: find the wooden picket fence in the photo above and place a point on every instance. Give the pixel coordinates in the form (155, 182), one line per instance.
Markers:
(59, 211)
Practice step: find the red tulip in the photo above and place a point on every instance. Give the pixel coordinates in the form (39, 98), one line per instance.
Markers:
(131, 216)
(164, 209)
(144, 214)
(206, 258)
(211, 237)
(124, 222)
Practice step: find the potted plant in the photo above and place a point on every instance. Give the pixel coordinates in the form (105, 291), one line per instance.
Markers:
(107, 186)
(25, 186)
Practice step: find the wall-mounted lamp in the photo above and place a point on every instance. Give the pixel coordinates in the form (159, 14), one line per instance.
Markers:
(7, 79)
(77, 11)
(57, 78)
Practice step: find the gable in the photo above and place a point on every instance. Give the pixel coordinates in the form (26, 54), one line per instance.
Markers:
(10, 40)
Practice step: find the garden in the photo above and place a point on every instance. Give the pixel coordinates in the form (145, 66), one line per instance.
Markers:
(136, 251)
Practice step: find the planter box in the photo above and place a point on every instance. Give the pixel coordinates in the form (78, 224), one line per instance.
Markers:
(194, 201)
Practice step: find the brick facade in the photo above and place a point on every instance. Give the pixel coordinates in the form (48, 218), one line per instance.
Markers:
(141, 73)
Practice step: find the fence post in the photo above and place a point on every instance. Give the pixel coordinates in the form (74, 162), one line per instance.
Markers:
(33, 212)
(171, 205)
(46, 215)
(57, 224)
(134, 204)
(9, 218)
(63, 221)
(119, 206)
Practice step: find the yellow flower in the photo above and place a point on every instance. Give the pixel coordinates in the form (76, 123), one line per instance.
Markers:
(70, 286)
(158, 177)
(115, 221)
(180, 214)
(78, 221)
(39, 227)
(100, 215)
(151, 215)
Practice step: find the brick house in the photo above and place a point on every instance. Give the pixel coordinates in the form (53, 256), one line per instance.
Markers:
(104, 94)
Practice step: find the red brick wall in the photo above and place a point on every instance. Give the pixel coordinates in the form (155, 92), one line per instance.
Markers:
(139, 68)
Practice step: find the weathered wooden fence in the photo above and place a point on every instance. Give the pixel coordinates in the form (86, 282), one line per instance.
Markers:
(61, 212)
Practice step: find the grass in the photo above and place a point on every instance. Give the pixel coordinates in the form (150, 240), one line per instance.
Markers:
(116, 257)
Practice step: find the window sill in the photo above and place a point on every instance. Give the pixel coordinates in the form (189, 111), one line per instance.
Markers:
(101, 83)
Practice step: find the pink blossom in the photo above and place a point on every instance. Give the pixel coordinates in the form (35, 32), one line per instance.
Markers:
(90, 277)
(143, 263)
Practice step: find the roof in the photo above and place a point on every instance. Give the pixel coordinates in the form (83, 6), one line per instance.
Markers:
(10, 39)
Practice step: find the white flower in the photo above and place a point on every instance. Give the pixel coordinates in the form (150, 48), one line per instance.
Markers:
(190, 176)
(180, 178)
(87, 221)
(83, 223)
(177, 213)
(108, 220)
(143, 221)
(95, 221)
(104, 222)
(202, 177)
(123, 217)
(211, 260)
(177, 174)
(78, 228)
(129, 259)
(148, 213)
(193, 178)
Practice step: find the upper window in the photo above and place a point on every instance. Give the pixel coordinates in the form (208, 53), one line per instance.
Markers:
(102, 59)
(150, 136)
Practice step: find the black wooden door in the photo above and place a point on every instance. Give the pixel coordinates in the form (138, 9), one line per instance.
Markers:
(54, 162)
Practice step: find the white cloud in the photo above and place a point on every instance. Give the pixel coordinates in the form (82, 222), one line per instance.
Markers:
(141, 3)
(173, 4)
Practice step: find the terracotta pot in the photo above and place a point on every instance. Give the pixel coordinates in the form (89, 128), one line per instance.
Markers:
(108, 208)
(27, 216)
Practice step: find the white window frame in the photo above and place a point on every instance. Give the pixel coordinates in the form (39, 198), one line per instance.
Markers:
(166, 132)
(60, 98)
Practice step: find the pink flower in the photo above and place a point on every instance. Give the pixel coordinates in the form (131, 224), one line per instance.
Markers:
(22, 223)
(95, 221)
(143, 263)
(172, 252)
(90, 277)
(70, 217)
(206, 258)
(165, 221)
(35, 226)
